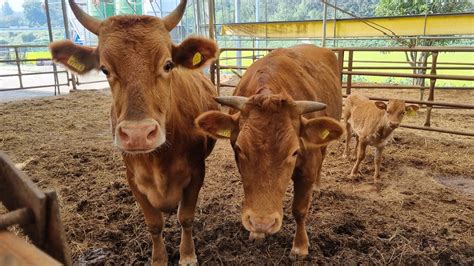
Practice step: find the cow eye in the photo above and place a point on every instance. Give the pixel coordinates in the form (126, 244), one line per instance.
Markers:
(168, 66)
(295, 153)
(403, 113)
(105, 71)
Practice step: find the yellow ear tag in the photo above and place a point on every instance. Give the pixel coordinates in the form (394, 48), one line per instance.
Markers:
(197, 58)
(72, 62)
(411, 112)
(224, 133)
(324, 134)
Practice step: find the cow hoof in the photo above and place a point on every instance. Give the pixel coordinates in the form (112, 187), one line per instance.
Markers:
(298, 254)
(256, 237)
(191, 261)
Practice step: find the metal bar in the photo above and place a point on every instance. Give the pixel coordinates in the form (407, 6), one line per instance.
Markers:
(340, 60)
(404, 62)
(410, 49)
(410, 67)
(33, 87)
(31, 74)
(26, 60)
(18, 67)
(211, 19)
(349, 76)
(323, 41)
(90, 82)
(405, 87)
(441, 130)
(20, 216)
(434, 57)
(403, 75)
(50, 33)
(460, 105)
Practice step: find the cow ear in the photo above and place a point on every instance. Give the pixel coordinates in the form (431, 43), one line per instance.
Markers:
(217, 124)
(412, 108)
(195, 52)
(320, 131)
(79, 59)
(381, 105)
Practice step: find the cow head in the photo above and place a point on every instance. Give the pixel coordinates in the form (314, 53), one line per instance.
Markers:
(268, 136)
(395, 110)
(140, 61)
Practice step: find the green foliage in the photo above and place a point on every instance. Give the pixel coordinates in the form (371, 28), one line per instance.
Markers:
(34, 12)
(6, 9)
(421, 7)
(28, 37)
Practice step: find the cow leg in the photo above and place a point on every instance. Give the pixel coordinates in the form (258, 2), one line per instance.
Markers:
(348, 141)
(301, 203)
(360, 156)
(356, 147)
(377, 162)
(304, 179)
(154, 221)
(186, 211)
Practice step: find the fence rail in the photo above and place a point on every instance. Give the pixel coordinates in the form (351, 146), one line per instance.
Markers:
(348, 69)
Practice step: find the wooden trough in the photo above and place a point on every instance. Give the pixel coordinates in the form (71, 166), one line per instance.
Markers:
(37, 213)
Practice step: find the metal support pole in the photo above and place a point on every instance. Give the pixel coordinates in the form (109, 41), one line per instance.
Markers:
(323, 42)
(434, 57)
(238, 54)
(340, 59)
(68, 36)
(334, 44)
(212, 13)
(50, 32)
(349, 69)
(17, 59)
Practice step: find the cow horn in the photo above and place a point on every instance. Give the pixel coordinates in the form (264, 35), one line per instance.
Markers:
(309, 106)
(174, 17)
(236, 102)
(89, 22)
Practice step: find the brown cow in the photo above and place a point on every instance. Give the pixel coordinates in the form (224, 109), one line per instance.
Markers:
(153, 111)
(277, 135)
(373, 124)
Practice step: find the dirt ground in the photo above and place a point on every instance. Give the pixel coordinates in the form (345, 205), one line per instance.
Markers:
(423, 212)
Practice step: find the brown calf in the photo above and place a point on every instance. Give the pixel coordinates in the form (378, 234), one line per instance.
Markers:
(286, 108)
(372, 123)
(156, 96)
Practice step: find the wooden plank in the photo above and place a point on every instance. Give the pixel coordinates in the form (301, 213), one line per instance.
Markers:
(16, 251)
(18, 191)
(55, 242)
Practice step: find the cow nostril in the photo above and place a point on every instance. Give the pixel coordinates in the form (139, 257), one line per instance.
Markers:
(122, 134)
(153, 133)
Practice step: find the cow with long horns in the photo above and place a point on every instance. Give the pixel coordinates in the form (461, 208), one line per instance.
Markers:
(157, 93)
(283, 116)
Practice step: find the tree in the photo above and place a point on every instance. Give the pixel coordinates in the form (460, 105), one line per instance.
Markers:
(6, 9)
(34, 12)
(418, 7)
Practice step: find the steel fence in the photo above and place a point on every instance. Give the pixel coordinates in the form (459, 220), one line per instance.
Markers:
(348, 69)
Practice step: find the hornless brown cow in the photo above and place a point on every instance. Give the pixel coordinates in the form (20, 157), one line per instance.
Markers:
(153, 111)
(277, 135)
(373, 124)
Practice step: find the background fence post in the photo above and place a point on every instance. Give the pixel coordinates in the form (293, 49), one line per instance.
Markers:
(349, 69)
(434, 57)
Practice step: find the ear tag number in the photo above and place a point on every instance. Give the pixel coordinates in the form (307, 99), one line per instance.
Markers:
(224, 133)
(72, 62)
(411, 112)
(197, 58)
(324, 134)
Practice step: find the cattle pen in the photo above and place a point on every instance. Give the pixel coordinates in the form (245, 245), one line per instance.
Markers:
(63, 182)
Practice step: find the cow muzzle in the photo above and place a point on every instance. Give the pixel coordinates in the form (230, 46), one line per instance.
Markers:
(261, 225)
(139, 136)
